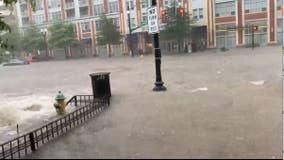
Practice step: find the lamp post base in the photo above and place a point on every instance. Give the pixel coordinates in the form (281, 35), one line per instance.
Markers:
(159, 87)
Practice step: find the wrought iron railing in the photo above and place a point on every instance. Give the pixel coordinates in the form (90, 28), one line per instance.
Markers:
(88, 106)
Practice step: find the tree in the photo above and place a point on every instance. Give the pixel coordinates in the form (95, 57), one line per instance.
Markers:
(13, 40)
(4, 27)
(63, 35)
(178, 25)
(108, 34)
(32, 40)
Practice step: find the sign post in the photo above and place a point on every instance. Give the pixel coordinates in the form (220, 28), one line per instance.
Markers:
(153, 24)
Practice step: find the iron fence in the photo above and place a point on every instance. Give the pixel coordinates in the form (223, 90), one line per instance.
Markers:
(88, 106)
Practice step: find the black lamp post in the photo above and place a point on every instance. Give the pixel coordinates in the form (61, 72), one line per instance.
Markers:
(159, 84)
(44, 33)
(130, 33)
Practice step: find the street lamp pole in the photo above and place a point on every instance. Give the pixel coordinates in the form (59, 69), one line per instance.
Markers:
(44, 33)
(46, 45)
(159, 84)
(130, 33)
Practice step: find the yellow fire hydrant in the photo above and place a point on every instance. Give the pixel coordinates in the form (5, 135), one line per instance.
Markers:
(60, 103)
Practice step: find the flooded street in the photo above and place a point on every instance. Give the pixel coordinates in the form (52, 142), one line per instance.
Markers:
(218, 104)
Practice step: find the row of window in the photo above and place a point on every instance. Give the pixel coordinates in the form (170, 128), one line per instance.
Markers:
(98, 8)
(130, 4)
(112, 8)
(225, 9)
(172, 2)
(197, 13)
(250, 6)
(230, 29)
(85, 26)
(40, 19)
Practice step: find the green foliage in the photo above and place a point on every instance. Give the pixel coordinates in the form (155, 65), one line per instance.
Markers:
(13, 40)
(32, 40)
(109, 33)
(62, 35)
(4, 27)
(178, 27)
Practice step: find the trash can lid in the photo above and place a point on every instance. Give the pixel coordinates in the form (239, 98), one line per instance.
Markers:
(60, 96)
(99, 73)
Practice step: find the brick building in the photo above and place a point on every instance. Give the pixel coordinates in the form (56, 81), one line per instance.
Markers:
(85, 14)
(228, 21)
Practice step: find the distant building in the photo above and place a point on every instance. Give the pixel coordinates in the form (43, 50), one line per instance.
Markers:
(228, 21)
(225, 22)
(85, 15)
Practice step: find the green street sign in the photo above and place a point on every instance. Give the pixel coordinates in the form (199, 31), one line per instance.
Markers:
(143, 23)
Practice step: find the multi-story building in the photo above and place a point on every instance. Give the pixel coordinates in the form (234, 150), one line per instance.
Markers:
(228, 21)
(85, 14)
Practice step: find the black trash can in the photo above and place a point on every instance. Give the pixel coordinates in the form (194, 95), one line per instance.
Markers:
(101, 84)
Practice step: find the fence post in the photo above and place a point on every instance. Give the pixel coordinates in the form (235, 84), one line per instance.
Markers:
(76, 103)
(32, 141)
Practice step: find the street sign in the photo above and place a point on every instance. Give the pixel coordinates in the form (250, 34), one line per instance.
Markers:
(142, 23)
(153, 20)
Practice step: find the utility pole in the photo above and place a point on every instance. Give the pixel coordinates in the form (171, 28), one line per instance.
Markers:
(159, 84)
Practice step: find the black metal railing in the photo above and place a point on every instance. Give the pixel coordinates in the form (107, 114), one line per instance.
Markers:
(31, 141)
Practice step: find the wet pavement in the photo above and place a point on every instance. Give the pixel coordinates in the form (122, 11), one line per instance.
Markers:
(218, 105)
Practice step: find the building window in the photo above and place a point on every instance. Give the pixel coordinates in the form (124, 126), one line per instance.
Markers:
(69, 4)
(39, 5)
(25, 20)
(24, 9)
(98, 9)
(70, 13)
(200, 13)
(225, 9)
(252, 6)
(130, 5)
(54, 3)
(197, 13)
(113, 7)
(85, 26)
(87, 42)
(38, 19)
(166, 3)
(55, 16)
(144, 4)
(260, 36)
(98, 25)
(225, 36)
(84, 11)
(83, 3)
(133, 24)
(115, 21)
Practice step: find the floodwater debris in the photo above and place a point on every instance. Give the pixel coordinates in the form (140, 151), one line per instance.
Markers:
(34, 107)
(257, 83)
(11, 133)
(200, 89)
